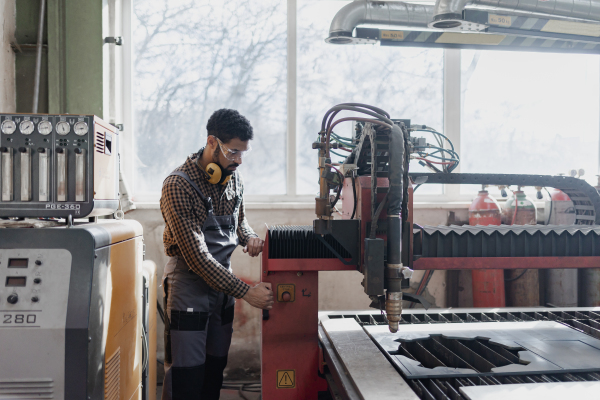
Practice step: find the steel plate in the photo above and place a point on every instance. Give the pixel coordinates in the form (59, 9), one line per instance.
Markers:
(530, 391)
(497, 348)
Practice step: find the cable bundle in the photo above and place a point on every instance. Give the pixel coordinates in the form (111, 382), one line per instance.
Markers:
(447, 158)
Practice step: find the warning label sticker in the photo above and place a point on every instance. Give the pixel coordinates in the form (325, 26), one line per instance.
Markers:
(286, 379)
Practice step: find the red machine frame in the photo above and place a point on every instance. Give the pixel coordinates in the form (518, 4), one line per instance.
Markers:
(291, 358)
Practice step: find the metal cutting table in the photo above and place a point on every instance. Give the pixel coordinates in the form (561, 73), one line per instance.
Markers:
(466, 354)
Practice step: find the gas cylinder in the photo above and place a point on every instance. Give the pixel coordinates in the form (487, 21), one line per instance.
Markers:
(525, 210)
(561, 284)
(488, 284)
(589, 281)
(484, 210)
(522, 286)
(559, 209)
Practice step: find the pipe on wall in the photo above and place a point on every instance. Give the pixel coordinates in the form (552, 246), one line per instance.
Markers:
(38, 60)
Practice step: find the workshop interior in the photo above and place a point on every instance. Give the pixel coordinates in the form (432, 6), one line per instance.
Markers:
(425, 176)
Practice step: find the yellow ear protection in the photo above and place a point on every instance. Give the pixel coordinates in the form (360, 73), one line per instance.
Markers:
(216, 175)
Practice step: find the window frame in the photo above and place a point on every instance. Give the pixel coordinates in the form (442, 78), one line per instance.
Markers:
(451, 194)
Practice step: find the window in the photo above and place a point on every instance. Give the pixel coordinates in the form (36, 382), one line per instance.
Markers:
(527, 113)
(407, 83)
(194, 57)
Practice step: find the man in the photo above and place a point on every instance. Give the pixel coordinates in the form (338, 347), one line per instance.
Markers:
(203, 208)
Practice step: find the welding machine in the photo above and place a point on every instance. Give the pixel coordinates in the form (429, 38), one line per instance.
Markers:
(77, 302)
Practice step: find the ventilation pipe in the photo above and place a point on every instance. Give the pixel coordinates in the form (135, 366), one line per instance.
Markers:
(378, 13)
(447, 14)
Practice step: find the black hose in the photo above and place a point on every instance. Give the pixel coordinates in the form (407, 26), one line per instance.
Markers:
(376, 217)
(335, 108)
(360, 110)
(354, 191)
(339, 192)
(550, 213)
(515, 278)
(324, 124)
(396, 171)
(419, 292)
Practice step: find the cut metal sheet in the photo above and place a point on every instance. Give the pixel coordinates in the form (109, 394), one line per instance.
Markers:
(516, 348)
(529, 391)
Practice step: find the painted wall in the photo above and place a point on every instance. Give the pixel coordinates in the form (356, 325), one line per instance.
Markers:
(7, 56)
(337, 290)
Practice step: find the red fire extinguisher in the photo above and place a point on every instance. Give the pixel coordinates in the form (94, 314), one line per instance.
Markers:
(488, 284)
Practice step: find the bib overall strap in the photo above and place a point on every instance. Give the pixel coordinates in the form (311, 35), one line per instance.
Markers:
(238, 196)
(185, 176)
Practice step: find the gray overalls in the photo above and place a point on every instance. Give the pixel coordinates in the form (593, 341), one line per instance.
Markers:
(198, 323)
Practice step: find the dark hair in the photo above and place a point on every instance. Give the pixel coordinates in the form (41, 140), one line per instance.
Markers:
(227, 124)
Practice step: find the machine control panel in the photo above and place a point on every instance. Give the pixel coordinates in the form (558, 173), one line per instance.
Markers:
(286, 293)
(34, 288)
(57, 165)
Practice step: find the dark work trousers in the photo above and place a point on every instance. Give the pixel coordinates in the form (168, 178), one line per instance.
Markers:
(199, 319)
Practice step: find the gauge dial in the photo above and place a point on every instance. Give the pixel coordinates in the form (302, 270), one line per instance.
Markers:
(26, 127)
(62, 128)
(80, 128)
(8, 127)
(45, 127)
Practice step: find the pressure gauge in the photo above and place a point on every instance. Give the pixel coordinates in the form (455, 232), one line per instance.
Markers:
(62, 128)
(80, 128)
(26, 127)
(8, 127)
(45, 127)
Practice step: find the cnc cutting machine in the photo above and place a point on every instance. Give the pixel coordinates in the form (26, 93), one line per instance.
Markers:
(376, 236)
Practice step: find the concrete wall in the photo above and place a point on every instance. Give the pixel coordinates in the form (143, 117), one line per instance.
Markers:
(337, 290)
(7, 56)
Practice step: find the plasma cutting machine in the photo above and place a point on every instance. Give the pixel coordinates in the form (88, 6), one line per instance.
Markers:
(77, 302)
(377, 237)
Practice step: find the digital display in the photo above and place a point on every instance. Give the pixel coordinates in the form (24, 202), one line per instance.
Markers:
(16, 281)
(18, 262)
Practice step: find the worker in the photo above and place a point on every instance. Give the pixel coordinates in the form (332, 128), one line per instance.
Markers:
(202, 205)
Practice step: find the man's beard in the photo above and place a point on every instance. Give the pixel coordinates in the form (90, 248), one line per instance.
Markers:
(224, 171)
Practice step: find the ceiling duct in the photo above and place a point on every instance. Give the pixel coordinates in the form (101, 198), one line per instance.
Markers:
(449, 13)
(361, 12)
(530, 25)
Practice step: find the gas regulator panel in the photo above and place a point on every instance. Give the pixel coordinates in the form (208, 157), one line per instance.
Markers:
(54, 166)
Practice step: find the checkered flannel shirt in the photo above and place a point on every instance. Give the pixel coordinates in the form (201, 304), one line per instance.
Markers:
(184, 213)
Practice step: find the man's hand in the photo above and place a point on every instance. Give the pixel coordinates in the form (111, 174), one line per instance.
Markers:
(260, 296)
(254, 246)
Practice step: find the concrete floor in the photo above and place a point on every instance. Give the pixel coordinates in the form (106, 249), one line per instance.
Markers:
(225, 394)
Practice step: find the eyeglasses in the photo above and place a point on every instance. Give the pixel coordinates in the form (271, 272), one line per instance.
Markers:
(232, 155)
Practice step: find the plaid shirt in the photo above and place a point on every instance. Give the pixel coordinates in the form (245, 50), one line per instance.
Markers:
(184, 213)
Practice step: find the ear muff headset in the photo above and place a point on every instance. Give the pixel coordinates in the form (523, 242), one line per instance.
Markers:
(216, 175)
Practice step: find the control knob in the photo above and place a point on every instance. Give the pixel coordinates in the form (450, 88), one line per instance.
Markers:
(13, 298)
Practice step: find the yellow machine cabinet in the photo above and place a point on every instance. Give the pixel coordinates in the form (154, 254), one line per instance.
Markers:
(79, 310)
